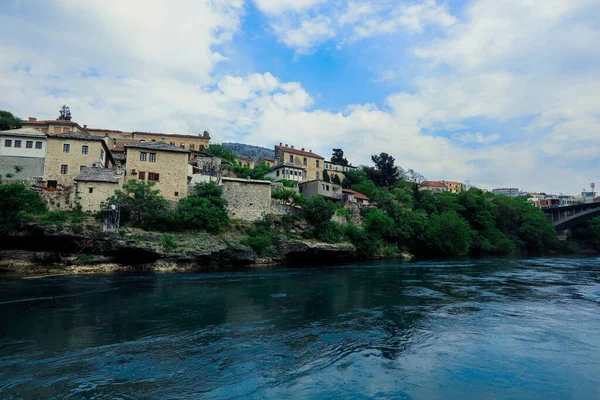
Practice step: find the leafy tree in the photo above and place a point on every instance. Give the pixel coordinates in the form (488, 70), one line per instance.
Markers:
(288, 196)
(65, 114)
(338, 157)
(353, 177)
(218, 150)
(446, 234)
(318, 212)
(385, 173)
(379, 225)
(258, 172)
(415, 180)
(8, 121)
(16, 200)
(142, 200)
(326, 177)
(366, 187)
(205, 209)
(336, 179)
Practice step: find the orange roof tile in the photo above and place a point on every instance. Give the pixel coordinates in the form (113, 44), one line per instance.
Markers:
(300, 152)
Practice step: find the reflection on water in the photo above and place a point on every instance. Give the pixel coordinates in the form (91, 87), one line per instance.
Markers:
(519, 328)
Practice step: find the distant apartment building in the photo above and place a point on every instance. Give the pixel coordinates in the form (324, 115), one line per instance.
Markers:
(160, 162)
(25, 149)
(266, 160)
(287, 171)
(434, 186)
(454, 187)
(327, 190)
(52, 126)
(337, 170)
(313, 163)
(510, 192)
(68, 153)
(199, 142)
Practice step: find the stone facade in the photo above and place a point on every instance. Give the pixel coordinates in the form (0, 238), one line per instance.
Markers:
(313, 163)
(91, 194)
(198, 142)
(245, 162)
(266, 160)
(169, 169)
(454, 187)
(206, 164)
(77, 157)
(58, 200)
(337, 170)
(52, 126)
(247, 199)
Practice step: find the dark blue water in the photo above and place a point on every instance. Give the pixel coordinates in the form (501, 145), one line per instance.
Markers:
(493, 329)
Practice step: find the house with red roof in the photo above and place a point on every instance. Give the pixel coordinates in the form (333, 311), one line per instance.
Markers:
(351, 196)
(312, 162)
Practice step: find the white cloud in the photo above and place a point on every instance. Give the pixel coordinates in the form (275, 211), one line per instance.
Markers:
(306, 35)
(276, 7)
(475, 137)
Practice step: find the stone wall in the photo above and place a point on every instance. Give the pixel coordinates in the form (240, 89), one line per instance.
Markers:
(247, 199)
(59, 200)
(91, 194)
(32, 166)
(74, 159)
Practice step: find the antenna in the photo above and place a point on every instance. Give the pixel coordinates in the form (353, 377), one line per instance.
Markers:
(593, 186)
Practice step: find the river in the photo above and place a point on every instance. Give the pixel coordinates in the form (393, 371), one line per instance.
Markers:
(476, 329)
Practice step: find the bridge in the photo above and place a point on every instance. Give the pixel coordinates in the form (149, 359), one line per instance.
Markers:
(567, 217)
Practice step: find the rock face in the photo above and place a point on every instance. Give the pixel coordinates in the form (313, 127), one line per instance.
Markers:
(35, 249)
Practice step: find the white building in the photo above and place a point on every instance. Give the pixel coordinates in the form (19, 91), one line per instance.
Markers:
(288, 171)
(24, 148)
(510, 192)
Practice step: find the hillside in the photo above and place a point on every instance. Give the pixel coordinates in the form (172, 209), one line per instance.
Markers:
(247, 150)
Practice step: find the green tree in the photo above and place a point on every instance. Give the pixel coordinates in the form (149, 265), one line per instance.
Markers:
(385, 173)
(142, 200)
(336, 179)
(353, 177)
(218, 150)
(446, 234)
(378, 225)
(9, 121)
(258, 172)
(205, 209)
(65, 114)
(318, 212)
(16, 200)
(338, 157)
(326, 177)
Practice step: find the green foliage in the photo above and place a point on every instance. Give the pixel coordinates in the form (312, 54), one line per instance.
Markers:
(9, 121)
(385, 173)
(366, 187)
(289, 184)
(288, 196)
(203, 210)
(446, 234)
(258, 172)
(169, 243)
(336, 179)
(16, 202)
(218, 150)
(326, 177)
(260, 237)
(378, 225)
(353, 177)
(586, 235)
(142, 200)
(338, 157)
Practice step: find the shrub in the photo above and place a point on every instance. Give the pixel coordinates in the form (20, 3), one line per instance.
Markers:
(260, 243)
(169, 243)
(447, 234)
(378, 225)
(17, 201)
(142, 201)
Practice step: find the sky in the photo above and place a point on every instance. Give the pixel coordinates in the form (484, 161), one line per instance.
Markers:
(497, 93)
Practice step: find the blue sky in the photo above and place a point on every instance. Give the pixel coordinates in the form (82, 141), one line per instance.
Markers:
(496, 92)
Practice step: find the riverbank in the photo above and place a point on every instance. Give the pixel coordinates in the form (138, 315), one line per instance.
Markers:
(31, 249)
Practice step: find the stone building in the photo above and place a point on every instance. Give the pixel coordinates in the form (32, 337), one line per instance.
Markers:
(434, 186)
(94, 185)
(330, 191)
(337, 170)
(24, 148)
(53, 126)
(206, 164)
(68, 153)
(290, 172)
(197, 142)
(160, 162)
(351, 196)
(266, 160)
(454, 187)
(313, 163)
(247, 199)
(245, 162)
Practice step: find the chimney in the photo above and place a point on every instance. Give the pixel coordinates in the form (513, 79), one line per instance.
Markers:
(303, 149)
(31, 119)
(310, 151)
(85, 127)
(280, 143)
(286, 145)
(292, 146)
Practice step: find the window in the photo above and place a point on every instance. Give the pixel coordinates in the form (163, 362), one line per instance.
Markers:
(176, 194)
(305, 161)
(142, 176)
(304, 175)
(182, 145)
(64, 169)
(152, 157)
(85, 149)
(277, 172)
(317, 163)
(143, 156)
(152, 176)
(317, 176)
(291, 158)
(327, 187)
(38, 145)
(66, 148)
(192, 147)
(29, 144)
(18, 144)
(91, 190)
(154, 140)
(323, 186)
(172, 143)
(287, 172)
(102, 156)
(81, 167)
(8, 143)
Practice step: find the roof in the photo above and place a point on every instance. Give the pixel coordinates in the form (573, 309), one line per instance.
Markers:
(506, 189)
(160, 146)
(161, 134)
(433, 184)
(49, 122)
(23, 132)
(319, 180)
(356, 194)
(99, 175)
(77, 136)
(453, 182)
(266, 158)
(340, 165)
(224, 179)
(287, 165)
(300, 152)
(244, 158)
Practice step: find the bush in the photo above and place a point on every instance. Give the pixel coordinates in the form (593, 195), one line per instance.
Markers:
(378, 225)
(169, 243)
(260, 243)
(141, 200)
(447, 234)
(16, 202)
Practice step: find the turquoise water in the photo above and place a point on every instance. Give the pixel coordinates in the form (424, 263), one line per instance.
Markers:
(491, 329)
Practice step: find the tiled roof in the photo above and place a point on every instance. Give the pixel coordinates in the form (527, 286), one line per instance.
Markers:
(98, 175)
(453, 182)
(356, 194)
(506, 189)
(226, 179)
(289, 165)
(433, 184)
(161, 146)
(76, 135)
(49, 122)
(23, 132)
(300, 152)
